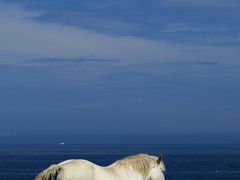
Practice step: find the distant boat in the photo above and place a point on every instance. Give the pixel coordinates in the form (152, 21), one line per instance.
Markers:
(62, 143)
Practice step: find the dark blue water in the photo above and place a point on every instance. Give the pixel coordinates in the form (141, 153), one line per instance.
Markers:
(183, 162)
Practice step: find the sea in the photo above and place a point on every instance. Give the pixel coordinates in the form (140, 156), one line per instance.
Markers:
(183, 162)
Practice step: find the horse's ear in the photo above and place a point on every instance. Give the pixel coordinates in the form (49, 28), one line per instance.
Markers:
(159, 159)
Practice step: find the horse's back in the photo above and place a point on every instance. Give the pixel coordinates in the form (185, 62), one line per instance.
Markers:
(76, 170)
(84, 170)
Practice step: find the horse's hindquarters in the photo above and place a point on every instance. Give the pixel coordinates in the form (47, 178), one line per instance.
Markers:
(76, 170)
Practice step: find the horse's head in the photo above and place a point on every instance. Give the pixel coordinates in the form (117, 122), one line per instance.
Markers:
(157, 171)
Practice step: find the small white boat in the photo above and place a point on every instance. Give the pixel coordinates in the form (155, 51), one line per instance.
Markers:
(62, 143)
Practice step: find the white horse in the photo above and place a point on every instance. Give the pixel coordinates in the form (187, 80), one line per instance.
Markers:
(137, 167)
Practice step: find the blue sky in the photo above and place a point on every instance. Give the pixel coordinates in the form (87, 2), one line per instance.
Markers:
(119, 67)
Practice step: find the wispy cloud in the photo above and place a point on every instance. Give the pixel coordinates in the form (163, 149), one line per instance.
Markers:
(206, 22)
(206, 3)
(24, 39)
(207, 63)
(66, 61)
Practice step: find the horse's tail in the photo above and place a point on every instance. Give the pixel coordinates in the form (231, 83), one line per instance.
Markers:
(49, 173)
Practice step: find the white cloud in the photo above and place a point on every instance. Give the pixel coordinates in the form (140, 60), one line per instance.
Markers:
(21, 38)
(206, 3)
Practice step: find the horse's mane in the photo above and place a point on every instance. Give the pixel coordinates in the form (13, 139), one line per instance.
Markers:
(141, 163)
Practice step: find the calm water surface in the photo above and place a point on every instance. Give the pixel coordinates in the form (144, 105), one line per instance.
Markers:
(183, 162)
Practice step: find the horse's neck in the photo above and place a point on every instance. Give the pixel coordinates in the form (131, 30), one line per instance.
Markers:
(125, 173)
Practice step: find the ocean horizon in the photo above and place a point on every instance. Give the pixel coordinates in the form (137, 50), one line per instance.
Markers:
(188, 138)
